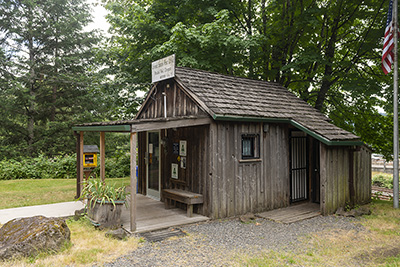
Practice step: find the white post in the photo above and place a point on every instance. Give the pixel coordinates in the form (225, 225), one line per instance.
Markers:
(133, 183)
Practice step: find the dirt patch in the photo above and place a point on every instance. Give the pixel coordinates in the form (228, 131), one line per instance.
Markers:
(377, 254)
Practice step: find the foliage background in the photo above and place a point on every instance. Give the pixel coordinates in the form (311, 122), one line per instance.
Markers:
(54, 74)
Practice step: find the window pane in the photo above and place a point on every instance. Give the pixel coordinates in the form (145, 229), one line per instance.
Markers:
(247, 147)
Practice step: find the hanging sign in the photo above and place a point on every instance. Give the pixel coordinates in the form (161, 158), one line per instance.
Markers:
(163, 69)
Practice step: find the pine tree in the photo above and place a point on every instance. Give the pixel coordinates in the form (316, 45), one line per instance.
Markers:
(50, 61)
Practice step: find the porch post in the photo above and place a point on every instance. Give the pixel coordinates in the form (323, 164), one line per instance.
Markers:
(80, 166)
(78, 155)
(102, 156)
(133, 182)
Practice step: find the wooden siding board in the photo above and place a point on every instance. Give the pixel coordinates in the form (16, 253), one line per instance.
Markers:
(357, 186)
(236, 155)
(278, 178)
(214, 168)
(221, 171)
(275, 164)
(230, 170)
(261, 181)
(285, 169)
(346, 182)
(323, 183)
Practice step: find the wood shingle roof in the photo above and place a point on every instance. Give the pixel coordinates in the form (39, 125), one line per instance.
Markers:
(234, 97)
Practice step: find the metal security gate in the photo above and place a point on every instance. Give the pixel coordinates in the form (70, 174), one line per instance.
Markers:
(298, 166)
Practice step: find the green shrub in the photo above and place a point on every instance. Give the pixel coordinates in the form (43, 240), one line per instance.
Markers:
(383, 180)
(59, 167)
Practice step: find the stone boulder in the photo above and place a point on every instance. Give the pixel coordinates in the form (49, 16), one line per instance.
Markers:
(354, 212)
(119, 234)
(247, 218)
(29, 236)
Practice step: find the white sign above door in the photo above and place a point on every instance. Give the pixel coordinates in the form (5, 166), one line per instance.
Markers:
(163, 69)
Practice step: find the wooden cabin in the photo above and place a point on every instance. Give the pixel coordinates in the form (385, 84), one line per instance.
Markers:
(244, 146)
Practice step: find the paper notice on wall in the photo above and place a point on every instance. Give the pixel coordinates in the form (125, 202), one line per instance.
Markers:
(174, 171)
(183, 162)
(182, 148)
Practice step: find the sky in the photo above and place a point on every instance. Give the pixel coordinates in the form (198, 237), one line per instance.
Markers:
(99, 20)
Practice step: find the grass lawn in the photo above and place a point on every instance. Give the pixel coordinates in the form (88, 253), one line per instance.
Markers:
(378, 245)
(20, 193)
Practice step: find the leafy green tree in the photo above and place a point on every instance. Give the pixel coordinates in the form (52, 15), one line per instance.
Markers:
(50, 82)
(326, 52)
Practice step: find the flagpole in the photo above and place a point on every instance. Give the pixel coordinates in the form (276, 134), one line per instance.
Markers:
(395, 114)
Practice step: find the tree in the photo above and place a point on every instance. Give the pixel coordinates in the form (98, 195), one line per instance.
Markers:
(326, 52)
(50, 60)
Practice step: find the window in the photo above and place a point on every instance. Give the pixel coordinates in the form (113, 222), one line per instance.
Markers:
(250, 146)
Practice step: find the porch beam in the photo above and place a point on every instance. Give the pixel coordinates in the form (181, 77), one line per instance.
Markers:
(102, 128)
(102, 156)
(166, 124)
(133, 182)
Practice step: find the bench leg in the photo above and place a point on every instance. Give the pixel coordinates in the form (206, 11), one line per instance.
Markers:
(189, 210)
(167, 204)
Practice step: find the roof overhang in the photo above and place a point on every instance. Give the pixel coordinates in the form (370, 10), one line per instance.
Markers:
(293, 123)
(143, 125)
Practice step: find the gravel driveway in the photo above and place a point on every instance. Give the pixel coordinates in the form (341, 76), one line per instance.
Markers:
(216, 243)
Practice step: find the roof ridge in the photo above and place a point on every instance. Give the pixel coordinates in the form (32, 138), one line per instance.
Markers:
(230, 76)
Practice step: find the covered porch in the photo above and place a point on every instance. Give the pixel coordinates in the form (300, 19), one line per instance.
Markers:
(144, 213)
(151, 215)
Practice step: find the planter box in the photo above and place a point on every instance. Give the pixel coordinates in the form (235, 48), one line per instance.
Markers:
(106, 215)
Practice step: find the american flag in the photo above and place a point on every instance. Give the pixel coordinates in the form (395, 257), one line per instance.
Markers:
(388, 43)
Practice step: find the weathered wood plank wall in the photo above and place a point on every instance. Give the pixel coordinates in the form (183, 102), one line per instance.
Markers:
(362, 175)
(239, 186)
(335, 174)
(334, 178)
(178, 103)
(195, 177)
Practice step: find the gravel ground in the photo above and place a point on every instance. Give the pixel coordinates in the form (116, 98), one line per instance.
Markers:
(217, 243)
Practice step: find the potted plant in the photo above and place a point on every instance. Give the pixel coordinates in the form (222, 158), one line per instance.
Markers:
(104, 203)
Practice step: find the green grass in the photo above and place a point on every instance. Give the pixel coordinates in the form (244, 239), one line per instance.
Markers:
(20, 193)
(88, 247)
(382, 179)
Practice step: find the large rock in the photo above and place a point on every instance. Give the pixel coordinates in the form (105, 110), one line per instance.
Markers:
(360, 211)
(28, 236)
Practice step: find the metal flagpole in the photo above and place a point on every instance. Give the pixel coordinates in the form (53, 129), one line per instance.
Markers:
(395, 114)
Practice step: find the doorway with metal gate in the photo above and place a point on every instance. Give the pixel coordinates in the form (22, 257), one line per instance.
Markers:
(298, 146)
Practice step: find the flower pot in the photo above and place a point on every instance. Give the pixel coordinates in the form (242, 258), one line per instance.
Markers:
(105, 215)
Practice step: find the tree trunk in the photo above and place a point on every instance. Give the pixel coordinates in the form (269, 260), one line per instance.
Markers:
(32, 95)
(329, 56)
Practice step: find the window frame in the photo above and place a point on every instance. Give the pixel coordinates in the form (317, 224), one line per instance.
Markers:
(255, 142)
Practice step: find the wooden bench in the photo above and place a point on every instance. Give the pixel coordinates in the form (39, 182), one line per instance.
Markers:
(182, 196)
